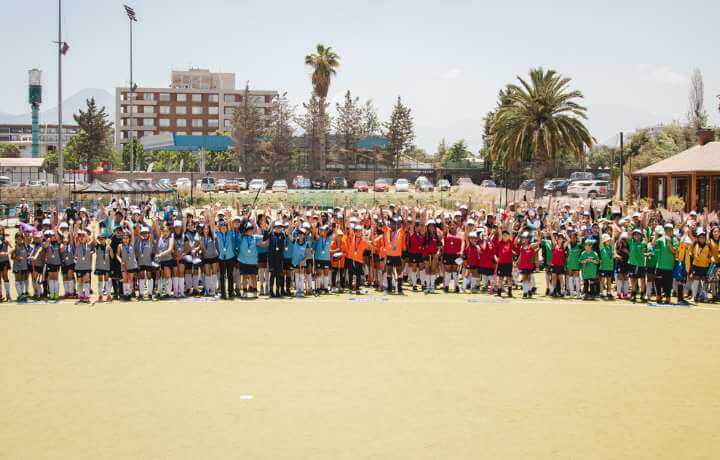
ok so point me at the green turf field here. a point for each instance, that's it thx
(387, 377)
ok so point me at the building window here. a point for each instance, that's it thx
(229, 98)
(197, 97)
(148, 122)
(164, 122)
(148, 96)
(213, 110)
(229, 110)
(213, 123)
(182, 97)
(227, 124)
(148, 133)
(197, 133)
(197, 110)
(148, 109)
(197, 123)
(165, 110)
(181, 122)
(180, 110)
(181, 133)
(214, 98)
(164, 97)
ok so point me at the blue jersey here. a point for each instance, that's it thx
(287, 251)
(248, 249)
(322, 248)
(225, 245)
(298, 251)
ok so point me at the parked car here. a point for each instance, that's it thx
(280, 185)
(121, 181)
(421, 179)
(220, 185)
(581, 175)
(588, 189)
(5, 181)
(242, 183)
(319, 183)
(37, 183)
(338, 183)
(381, 185)
(556, 187)
(488, 183)
(303, 183)
(257, 185)
(207, 184)
(528, 185)
(402, 185)
(165, 181)
(231, 185)
(424, 186)
(603, 176)
(361, 186)
(464, 181)
(182, 182)
(443, 185)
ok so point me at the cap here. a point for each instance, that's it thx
(144, 230)
(605, 238)
(46, 222)
(249, 226)
(472, 235)
(83, 210)
(339, 232)
(278, 223)
(177, 223)
(463, 206)
(636, 214)
(237, 219)
(222, 223)
(63, 225)
(623, 235)
(637, 230)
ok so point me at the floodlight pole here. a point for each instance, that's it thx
(61, 156)
(132, 104)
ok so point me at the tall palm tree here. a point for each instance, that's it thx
(536, 121)
(323, 61)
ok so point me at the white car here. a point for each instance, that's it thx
(257, 185)
(183, 182)
(402, 185)
(588, 189)
(280, 185)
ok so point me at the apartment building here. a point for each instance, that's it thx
(197, 102)
(21, 135)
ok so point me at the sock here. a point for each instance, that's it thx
(455, 279)
(525, 287)
(187, 281)
(72, 286)
(447, 280)
(18, 286)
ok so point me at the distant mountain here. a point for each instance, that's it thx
(71, 106)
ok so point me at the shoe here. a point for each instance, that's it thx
(457, 289)
(525, 296)
(446, 289)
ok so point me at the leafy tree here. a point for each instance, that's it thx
(9, 150)
(400, 132)
(280, 134)
(324, 62)
(456, 153)
(138, 155)
(94, 143)
(539, 119)
(309, 121)
(348, 128)
(69, 158)
(169, 160)
(247, 128)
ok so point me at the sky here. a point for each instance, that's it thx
(446, 59)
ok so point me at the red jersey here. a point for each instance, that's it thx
(487, 256)
(472, 255)
(452, 244)
(504, 252)
(526, 259)
(416, 242)
(558, 256)
(430, 247)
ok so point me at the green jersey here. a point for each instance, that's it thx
(547, 247)
(573, 257)
(607, 257)
(665, 257)
(589, 262)
(637, 253)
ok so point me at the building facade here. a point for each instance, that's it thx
(197, 102)
(21, 135)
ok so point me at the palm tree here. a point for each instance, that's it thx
(323, 62)
(536, 121)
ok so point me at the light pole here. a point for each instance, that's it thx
(131, 16)
(62, 49)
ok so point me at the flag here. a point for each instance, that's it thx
(182, 161)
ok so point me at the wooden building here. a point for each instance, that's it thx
(693, 175)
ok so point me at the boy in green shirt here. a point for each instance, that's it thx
(572, 264)
(589, 260)
(636, 261)
(607, 264)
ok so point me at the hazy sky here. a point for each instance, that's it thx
(447, 59)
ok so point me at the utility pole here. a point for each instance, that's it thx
(61, 155)
(622, 164)
(131, 16)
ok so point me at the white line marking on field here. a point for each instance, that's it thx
(246, 396)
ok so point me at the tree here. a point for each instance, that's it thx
(69, 157)
(697, 116)
(309, 121)
(442, 149)
(94, 143)
(138, 155)
(280, 133)
(348, 128)
(538, 120)
(247, 127)
(370, 121)
(456, 153)
(8, 150)
(324, 63)
(400, 132)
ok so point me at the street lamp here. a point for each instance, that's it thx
(133, 18)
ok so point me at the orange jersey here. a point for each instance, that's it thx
(394, 242)
(355, 247)
(335, 246)
(378, 245)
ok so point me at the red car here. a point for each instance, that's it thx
(361, 186)
(381, 185)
